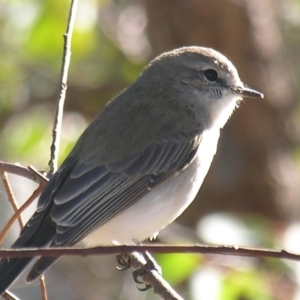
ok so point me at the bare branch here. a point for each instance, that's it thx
(43, 287)
(63, 88)
(11, 198)
(153, 248)
(54, 149)
(26, 172)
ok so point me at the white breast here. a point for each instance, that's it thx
(162, 205)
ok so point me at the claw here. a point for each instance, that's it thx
(138, 274)
(146, 288)
(150, 265)
(124, 261)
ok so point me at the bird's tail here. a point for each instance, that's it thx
(40, 267)
(10, 269)
(38, 232)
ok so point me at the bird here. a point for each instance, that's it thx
(141, 161)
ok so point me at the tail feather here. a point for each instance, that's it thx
(40, 267)
(36, 234)
(10, 270)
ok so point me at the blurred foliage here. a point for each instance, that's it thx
(245, 285)
(186, 263)
(105, 58)
(31, 45)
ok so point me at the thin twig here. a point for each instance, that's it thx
(42, 178)
(17, 214)
(11, 198)
(153, 248)
(22, 171)
(63, 88)
(43, 287)
(54, 149)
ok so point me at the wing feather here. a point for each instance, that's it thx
(105, 196)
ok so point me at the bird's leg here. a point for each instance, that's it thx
(124, 262)
(150, 265)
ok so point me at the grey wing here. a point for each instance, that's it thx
(91, 195)
(82, 196)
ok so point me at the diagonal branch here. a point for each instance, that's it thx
(18, 213)
(12, 200)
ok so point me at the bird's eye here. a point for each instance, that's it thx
(211, 75)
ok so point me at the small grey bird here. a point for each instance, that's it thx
(140, 163)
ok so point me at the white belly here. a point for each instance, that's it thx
(162, 205)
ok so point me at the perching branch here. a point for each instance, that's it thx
(153, 248)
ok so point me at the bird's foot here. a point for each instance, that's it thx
(151, 265)
(124, 262)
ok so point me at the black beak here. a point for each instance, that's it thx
(247, 92)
